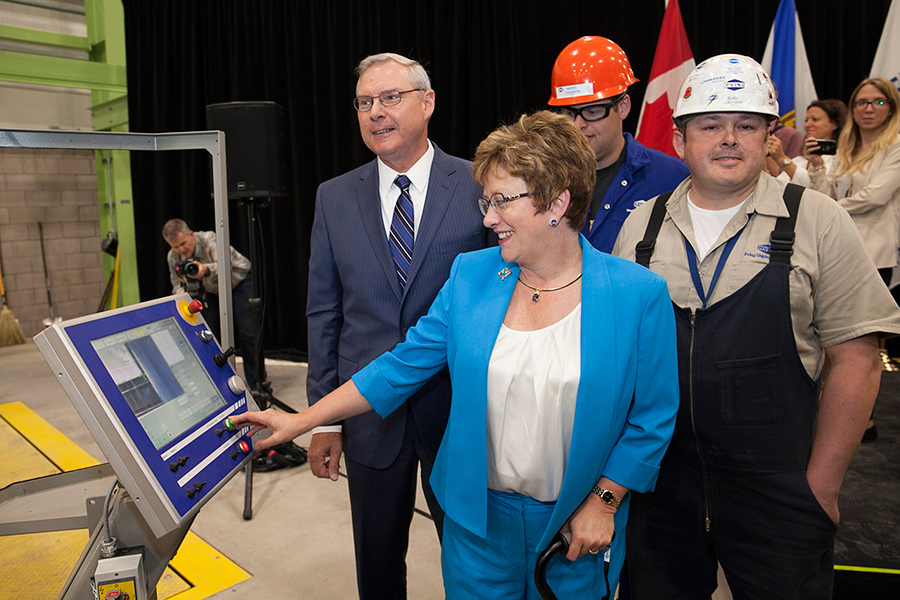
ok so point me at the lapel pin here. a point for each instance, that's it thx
(504, 273)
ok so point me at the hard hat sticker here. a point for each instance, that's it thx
(573, 91)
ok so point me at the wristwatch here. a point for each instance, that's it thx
(606, 496)
(785, 162)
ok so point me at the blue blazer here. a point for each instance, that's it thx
(627, 396)
(356, 309)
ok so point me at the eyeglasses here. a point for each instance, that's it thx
(877, 103)
(594, 112)
(388, 98)
(498, 201)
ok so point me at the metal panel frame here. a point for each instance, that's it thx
(211, 141)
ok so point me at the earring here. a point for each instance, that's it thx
(554, 223)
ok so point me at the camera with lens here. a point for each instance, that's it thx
(187, 268)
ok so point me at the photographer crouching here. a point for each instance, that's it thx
(192, 269)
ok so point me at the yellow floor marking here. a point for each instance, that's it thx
(18, 459)
(170, 585)
(205, 568)
(36, 565)
(59, 449)
(866, 569)
(33, 448)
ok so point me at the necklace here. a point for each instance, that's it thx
(538, 291)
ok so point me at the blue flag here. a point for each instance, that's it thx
(786, 61)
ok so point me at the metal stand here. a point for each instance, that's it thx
(264, 396)
(74, 500)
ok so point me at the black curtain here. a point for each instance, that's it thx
(489, 60)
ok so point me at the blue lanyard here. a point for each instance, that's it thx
(695, 272)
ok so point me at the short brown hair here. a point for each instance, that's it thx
(550, 153)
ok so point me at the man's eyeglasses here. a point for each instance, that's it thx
(877, 103)
(498, 201)
(591, 113)
(388, 98)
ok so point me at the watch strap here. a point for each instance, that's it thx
(606, 496)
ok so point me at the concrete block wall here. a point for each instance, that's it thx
(57, 188)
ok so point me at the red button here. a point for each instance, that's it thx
(195, 307)
(244, 446)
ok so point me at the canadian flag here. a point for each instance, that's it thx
(672, 62)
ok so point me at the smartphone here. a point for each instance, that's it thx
(826, 147)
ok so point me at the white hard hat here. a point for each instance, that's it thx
(727, 83)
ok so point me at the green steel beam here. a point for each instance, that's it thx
(44, 38)
(64, 72)
(109, 109)
(105, 75)
(111, 115)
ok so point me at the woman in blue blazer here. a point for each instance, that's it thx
(563, 366)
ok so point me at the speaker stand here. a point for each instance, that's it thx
(263, 393)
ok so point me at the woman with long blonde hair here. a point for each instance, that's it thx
(868, 170)
(867, 179)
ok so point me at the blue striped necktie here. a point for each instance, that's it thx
(402, 230)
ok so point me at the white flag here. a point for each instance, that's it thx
(887, 57)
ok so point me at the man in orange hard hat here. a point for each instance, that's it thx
(589, 83)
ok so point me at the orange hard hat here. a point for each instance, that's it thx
(589, 69)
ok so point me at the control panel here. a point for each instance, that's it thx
(156, 391)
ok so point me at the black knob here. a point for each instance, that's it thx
(191, 492)
(219, 432)
(233, 454)
(222, 358)
(199, 485)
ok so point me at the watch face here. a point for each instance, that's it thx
(608, 497)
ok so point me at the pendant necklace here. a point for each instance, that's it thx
(538, 291)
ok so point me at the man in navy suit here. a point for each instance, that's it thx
(364, 294)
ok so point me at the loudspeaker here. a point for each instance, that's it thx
(254, 146)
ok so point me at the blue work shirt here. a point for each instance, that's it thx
(646, 174)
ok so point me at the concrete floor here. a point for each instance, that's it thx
(299, 543)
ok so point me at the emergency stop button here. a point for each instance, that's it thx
(189, 310)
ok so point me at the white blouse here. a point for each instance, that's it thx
(531, 394)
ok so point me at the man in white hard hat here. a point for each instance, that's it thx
(589, 85)
(769, 283)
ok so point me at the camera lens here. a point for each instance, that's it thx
(191, 269)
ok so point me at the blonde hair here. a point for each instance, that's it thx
(550, 153)
(852, 157)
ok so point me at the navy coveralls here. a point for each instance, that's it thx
(732, 487)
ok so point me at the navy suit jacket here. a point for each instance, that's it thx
(356, 309)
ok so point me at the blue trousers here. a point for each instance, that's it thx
(501, 567)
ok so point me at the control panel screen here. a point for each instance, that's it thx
(160, 377)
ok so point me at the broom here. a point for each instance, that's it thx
(10, 332)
